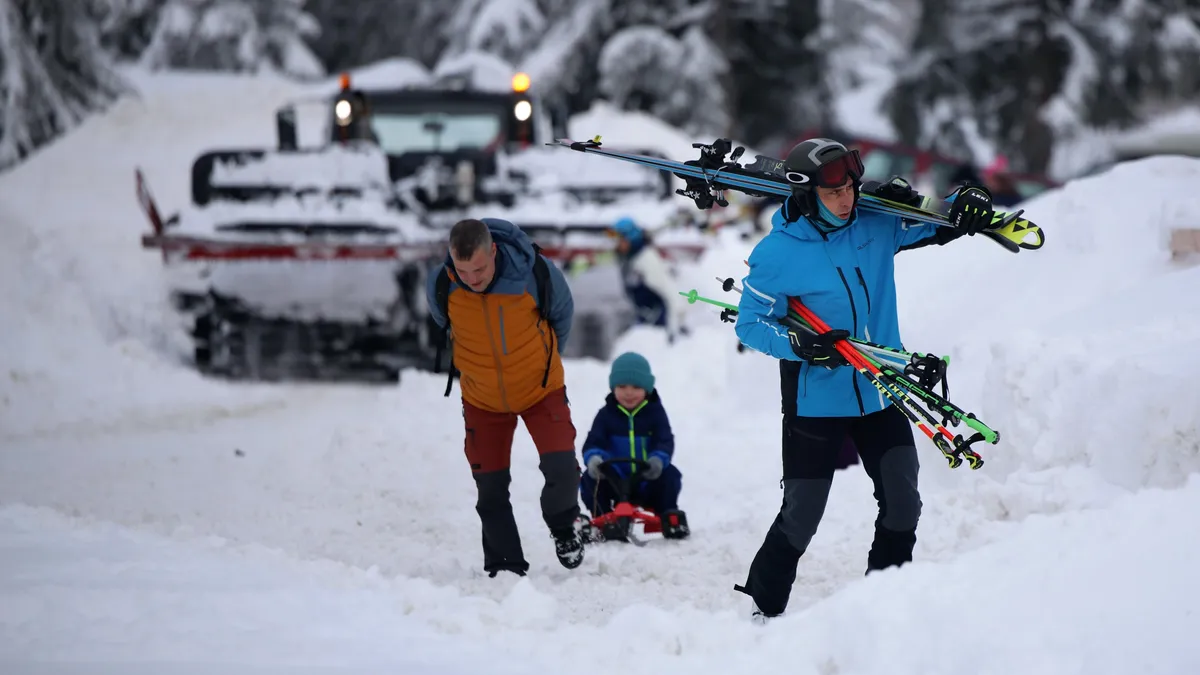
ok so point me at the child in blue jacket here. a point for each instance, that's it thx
(634, 424)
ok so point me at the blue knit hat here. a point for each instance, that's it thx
(633, 369)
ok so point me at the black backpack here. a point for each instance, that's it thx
(541, 279)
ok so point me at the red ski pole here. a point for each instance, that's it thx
(942, 438)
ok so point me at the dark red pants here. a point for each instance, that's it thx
(488, 447)
(490, 434)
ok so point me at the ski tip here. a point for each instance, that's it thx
(577, 145)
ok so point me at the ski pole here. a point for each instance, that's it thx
(902, 402)
(943, 439)
(890, 354)
(897, 356)
(877, 354)
(881, 353)
(945, 406)
(985, 433)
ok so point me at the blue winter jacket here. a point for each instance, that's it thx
(641, 433)
(846, 278)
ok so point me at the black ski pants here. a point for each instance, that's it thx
(810, 457)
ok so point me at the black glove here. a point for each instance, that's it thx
(818, 349)
(897, 190)
(971, 211)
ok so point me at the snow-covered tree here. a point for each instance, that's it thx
(1028, 77)
(506, 28)
(356, 32)
(560, 44)
(778, 87)
(860, 42)
(562, 65)
(235, 35)
(127, 26)
(53, 72)
(646, 68)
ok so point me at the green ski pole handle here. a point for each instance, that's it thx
(693, 296)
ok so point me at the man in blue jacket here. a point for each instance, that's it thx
(840, 263)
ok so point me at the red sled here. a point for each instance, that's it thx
(617, 524)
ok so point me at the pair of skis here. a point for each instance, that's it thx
(908, 379)
(712, 173)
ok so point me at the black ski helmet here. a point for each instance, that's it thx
(821, 162)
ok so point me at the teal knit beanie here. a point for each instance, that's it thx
(633, 369)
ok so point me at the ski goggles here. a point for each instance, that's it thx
(831, 174)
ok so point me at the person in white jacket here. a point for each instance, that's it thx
(648, 280)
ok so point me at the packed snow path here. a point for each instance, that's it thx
(1069, 552)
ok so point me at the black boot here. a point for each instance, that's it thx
(890, 549)
(518, 572)
(674, 524)
(568, 546)
(590, 534)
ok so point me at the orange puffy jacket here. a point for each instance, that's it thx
(507, 356)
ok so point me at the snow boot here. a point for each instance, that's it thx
(757, 616)
(568, 546)
(493, 573)
(588, 533)
(616, 530)
(674, 524)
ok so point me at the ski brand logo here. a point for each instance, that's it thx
(866, 243)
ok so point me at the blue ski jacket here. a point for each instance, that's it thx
(847, 278)
(641, 433)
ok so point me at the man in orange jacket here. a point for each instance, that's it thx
(507, 350)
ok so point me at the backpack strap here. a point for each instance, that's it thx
(541, 278)
(543, 288)
(441, 293)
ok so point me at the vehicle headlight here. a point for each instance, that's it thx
(341, 110)
(523, 110)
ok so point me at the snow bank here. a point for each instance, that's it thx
(1104, 592)
(1079, 353)
(100, 594)
(86, 318)
(1176, 132)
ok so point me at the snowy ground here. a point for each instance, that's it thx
(149, 516)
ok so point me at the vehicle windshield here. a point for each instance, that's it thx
(401, 131)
